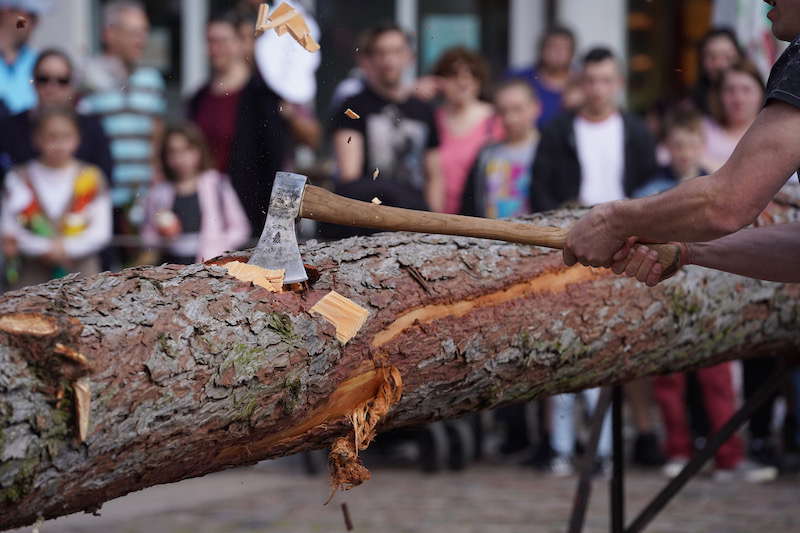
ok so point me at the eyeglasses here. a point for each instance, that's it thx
(63, 81)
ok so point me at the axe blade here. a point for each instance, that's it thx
(277, 248)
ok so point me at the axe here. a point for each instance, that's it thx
(292, 198)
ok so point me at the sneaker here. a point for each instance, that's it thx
(674, 467)
(763, 452)
(647, 451)
(748, 471)
(561, 466)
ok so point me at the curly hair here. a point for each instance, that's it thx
(454, 58)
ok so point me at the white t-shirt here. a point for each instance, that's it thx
(601, 153)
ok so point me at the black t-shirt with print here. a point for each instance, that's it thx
(396, 135)
(784, 79)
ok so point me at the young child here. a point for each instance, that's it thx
(499, 181)
(56, 213)
(685, 145)
(195, 214)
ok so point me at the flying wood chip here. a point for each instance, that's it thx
(376, 201)
(83, 406)
(272, 280)
(375, 173)
(347, 316)
(351, 114)
(285, 19)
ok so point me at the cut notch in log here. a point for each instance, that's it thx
(272, 280)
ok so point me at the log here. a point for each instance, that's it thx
(182, 371)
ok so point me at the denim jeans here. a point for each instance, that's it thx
(563, 439)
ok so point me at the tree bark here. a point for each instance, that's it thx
(192, 371)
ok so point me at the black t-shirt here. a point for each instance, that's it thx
(187, 209)
(396, 135)
(784, 79)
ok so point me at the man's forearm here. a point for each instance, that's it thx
(770, 253)
(692, 212)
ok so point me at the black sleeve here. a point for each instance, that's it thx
(97, 146)
(644, 150)
(545, 173)
(433, 137)
(471, 196)
(784, 80)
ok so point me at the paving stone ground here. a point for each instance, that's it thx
(277, 497)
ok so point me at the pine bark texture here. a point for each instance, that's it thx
(193, 371)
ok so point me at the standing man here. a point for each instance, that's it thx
(551, 74)
(395, 134)
(598, 154)
(130, 99)
(18, 20)
(707, 214)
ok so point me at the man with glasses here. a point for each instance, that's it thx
(18, 19)
(130, 99)
(53, 81)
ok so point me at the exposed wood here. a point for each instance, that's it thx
(272, 280)
(347, 317)
(195, 371)
(351, 114)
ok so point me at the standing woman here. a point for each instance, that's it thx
(741, 95)
(465, 123)
(718, 51)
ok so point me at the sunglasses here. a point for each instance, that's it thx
(45, 80)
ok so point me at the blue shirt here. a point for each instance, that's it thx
(549, 98)
(16, 87)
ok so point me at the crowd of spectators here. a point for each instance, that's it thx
(94, 176)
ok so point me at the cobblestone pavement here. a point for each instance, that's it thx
(278, 497)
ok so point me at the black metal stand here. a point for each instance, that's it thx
(696, 463)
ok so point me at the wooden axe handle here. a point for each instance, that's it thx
(324, 206)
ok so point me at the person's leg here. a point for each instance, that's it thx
(646, 451)
(669, 393)
(756, 371)
(604, 444)
(720, 401)
(563, 433)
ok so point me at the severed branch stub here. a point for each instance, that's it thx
(285, 19)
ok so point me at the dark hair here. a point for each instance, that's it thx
(516, 83)
(372, 35)
(598, 55)
(44, 115)
(230, 18)
(556, 31)
(453, 58)
(683, 118)
(715, 33)
(196, 139)
(743, 66)
(53, 52)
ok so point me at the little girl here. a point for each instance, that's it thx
(195, 214)
(56, 213)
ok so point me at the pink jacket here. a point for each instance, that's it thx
(223, 223)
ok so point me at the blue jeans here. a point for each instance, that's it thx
(563, 439)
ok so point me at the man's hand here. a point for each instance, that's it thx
(640, 262)
(591, 241)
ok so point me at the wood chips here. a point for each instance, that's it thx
(347, 316)
(272, 280)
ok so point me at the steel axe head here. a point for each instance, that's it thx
(277, 248)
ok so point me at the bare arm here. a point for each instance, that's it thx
(348, 145)
(770, 253)
(702, 209)
(731, 198)
(434, 181)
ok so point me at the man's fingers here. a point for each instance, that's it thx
(655, 275)
(649, 260)
(619, 267)
(635, 262)
(569, 257)
(623, 252)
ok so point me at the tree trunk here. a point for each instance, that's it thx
(192, 371)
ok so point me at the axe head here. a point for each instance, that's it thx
(277, 248)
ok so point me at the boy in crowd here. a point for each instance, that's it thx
(498, 184)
